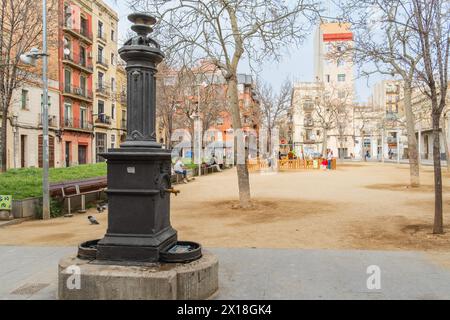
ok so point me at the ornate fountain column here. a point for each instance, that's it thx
(139, 171)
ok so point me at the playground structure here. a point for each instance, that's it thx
(287, 164)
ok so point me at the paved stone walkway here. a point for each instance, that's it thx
(31, 273)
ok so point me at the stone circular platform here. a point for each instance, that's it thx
(97, 280)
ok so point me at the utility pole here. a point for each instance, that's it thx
(30, 58)
(45, 164)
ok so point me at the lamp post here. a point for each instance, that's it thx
(30, 58)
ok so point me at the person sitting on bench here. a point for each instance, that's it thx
(213, 163)
(181, 169)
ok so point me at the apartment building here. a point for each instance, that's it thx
(76, 81)
(106, 125)
(323, 109)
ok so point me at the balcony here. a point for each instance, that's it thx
(52, 121)
(81, 32)
(79, 62)
(77, 124)
(123, 124)
(102, 62)
(103, 120)
(77, 93)
(103, 90)
(101, 36)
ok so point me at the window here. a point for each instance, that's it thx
(83, 56)
(100, 29)
(113, 85)
(113, 59)
(100, 140)
(67, 80)
(113, 141)
(341, 77)
(68, 15)
(112, 36)
(83, 26)
(327, 77)
(83, 85)
(68, 45)
(113, 111)
(83, 118)
(100, 54)
(101, 107)
(100, 79)
(24, 99)
(68, 113)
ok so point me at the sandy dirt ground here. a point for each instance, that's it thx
(358, 206)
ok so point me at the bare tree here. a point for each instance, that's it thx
(273, 106)
(432, 22)
(188, 92)
(226, 31)
(385, 40)
(20, 30)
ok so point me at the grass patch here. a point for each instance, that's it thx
(27, 183)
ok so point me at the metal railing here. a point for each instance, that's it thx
(52, 120)
(79, 61)
(79, 31)
(101, 35)
(76, 123)
(77, 91)
(103, 119)
(103, 89)
(102, 61)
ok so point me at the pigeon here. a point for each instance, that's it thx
(102, 207)
(93, 220)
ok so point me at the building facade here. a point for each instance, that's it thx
(106, 125)
(323, 109)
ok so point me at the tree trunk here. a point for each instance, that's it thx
(242, 170)
(4, 145)
(324, 143)
(438, 227)
(444, 137)
(362, 146)
(413, 155)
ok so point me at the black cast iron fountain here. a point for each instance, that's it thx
(139, 184)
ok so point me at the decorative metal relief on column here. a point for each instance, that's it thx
(142, 55)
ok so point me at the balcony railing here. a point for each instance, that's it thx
(76, 123)
(103, 89)
(78, 91)
(102, 61)
(103, 119)
(79, 31)
(52, 120)
(101, 36)
(80, 61)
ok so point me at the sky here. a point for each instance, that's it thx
(298, 65)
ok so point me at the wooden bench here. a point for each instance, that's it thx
(82, 195)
